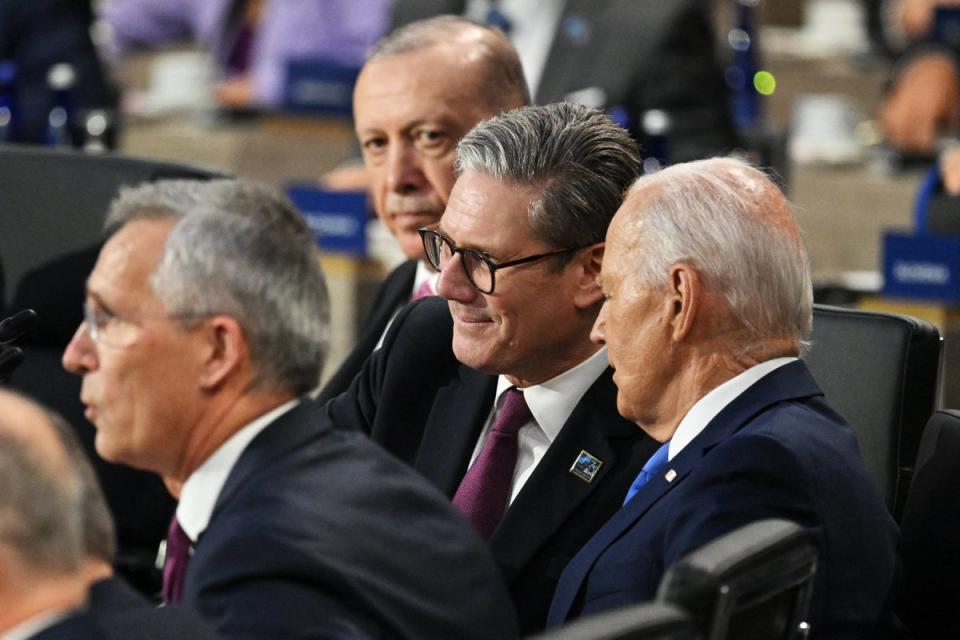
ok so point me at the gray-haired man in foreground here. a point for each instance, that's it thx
(204, 330)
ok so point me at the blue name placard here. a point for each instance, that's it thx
(338, 219)
(317, 86)
(921, 266)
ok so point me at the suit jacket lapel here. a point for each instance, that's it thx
(576, 572)
(459, 412)
(394, 294)
(552, 494)
(287, 432)
(790, 381)
(567, 50)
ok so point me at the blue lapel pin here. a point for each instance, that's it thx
(586, 466)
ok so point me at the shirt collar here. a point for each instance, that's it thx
(552, 402)
(201, 490)
(707, 407)
(31, 627)
(423, 274)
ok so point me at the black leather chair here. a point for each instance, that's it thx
(881, 372)
(53, 201)
(646, 621)
(754, 583)
(52, 205)
(930, 543)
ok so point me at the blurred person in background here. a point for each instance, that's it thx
(922, 102)
(251, 41)
(625, 57)
(35, 36)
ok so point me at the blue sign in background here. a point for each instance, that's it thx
(921, 266)
(319, 87)
(338, 219)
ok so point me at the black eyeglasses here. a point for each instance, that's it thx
(479, 267)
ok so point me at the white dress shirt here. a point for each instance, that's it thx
(533, 27)
(201, 490)
(424, 274)
(707, 407)
(551, 404)
(34, 625)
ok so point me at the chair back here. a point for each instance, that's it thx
(881, 372)
(53, 202)
(930, 534)
(755, 582)
(645, 621)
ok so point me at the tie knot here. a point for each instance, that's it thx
(425, 289)
(513, 413)
(658, 460)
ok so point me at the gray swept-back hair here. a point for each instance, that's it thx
(175, 198)
(241, 248)
(502, 83)
(267, 279)
(41, 504)
(579, 158)
(734, 225)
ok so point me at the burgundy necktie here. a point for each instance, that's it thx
(425, 289)
(485, 489)
(175, 562)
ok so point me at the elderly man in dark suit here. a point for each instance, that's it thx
(518, 250)
(204, 329)
(708, 302)
(421, 89)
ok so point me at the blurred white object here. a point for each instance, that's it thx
(832, 28)
(823, 130)
(179, 81)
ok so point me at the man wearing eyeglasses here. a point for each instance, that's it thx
(494, 391)
(421, 89)
(204, 330)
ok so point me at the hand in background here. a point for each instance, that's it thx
(923, 100)
(10, 329)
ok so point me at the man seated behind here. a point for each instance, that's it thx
(707, 303)
(204, 329)
(421, 88)
(519, 250)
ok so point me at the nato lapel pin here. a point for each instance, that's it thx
(586, 466)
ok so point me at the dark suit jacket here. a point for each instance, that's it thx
(318, 533)
(124, 614)
(414, 398)
(391, 296)
(638, 55)
(778, 450)
(78, 626)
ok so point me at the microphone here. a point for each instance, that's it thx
(17, 325)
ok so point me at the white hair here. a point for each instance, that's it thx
(716, 215)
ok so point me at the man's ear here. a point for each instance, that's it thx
(226, 351)
(588, 263)
(684, 299)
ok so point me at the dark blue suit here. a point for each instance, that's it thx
(318, 533)
(123, 613)
(778, 450)
(417, 401)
